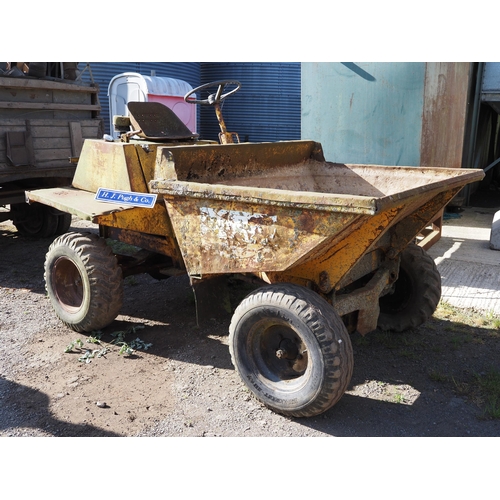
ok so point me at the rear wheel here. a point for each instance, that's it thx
(416, 292)
(35, 220)
(63, 223)
(83, 281)
(291, 349)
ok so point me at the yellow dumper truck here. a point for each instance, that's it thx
(331, 246)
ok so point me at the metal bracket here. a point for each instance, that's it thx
(366, 299)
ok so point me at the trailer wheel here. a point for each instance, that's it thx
(416, 294)
(291, 349)
(63, 223)
(83, 281)
(35, 220)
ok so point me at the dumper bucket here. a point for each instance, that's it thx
(312, 218)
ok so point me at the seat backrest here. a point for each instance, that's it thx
(157, 122)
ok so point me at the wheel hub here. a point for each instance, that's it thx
(287, 350)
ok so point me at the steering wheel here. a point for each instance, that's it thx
(215, 98)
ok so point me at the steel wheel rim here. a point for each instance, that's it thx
(67, 283)
(283, 370)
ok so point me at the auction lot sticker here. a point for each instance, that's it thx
(145, 200)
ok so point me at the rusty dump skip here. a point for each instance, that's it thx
(282, 211)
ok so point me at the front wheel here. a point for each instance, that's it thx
(291, 349)
(415, 295)
(83, 281)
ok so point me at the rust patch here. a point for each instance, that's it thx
(306, 222)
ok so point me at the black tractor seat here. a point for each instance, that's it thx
(156, 122)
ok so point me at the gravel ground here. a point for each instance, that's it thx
(184, 385)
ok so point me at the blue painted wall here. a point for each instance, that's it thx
(364, 112)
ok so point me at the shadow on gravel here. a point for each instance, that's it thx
(419, 384)
(426, 366)
(423, 368)
(362, 417)
(17, 401)
(179, 342)
(21, 265)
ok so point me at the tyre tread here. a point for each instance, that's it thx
(104, 275)
(426, 302)
(329, 330)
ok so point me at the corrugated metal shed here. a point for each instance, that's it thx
(266, 108)
(490, 91)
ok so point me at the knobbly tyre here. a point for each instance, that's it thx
(332, 246)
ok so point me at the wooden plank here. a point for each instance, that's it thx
(62, 154)
(49, 114)
(19, 146)
(48, 144)
(44, 131)
(17, 152)
(49, 106)
(59, 157)
(29, 144)
(53, 132)
(52, 142)
(45, 172)
(40, 95)
(28, 83)
(76, 138)
(57, 141)
(12, 122)
(94, 132)
(44, 143)
(50, 128)
(444, 114)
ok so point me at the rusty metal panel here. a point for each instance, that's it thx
(213, 163)
(444, 114)
(144, 220)
(109, 164)
(315, 234)
(73, 201)
(329, 268)
(401, 223)
(217, 236)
